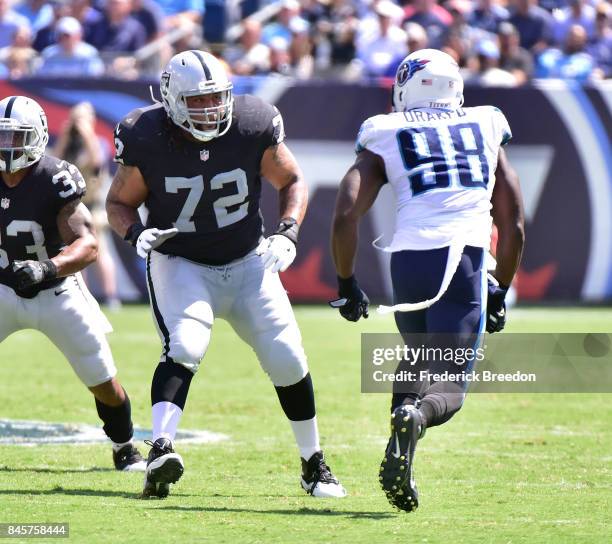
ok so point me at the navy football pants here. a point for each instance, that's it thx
(459, 314)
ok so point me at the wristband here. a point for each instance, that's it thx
(289, 228)
(346, 286)
(498, 283)
(133, 232)
(49, 269)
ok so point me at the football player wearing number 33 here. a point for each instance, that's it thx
(46, 238)
(196, 160)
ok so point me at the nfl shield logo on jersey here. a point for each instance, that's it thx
(5, 202)
(204, 154)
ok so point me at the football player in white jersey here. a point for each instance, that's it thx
(46, 238)
(451, 179)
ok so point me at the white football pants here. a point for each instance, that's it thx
(186, 297)
(71, 318)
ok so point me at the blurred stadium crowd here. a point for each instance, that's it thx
(496, 42)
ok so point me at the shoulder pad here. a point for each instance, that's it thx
(256, 117)
(366, 133)
(133, 131)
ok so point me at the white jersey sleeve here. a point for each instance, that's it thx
(367, 138)
(501, 126)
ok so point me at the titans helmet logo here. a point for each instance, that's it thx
(408, 69)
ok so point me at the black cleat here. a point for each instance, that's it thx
(396, 471)
(164, 467)
(318, 480)
(129, 459)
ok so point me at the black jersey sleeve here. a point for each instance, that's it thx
(67, 183)
(260, 119)
(275, 130)
(129, 140)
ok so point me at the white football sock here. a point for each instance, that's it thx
(166, 417)
(307, 437)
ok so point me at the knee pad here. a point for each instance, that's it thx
(188, 353)
(283, 358)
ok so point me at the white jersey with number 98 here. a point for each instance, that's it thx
(441, 165)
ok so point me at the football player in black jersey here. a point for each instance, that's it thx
(197, 161)
(46, 238)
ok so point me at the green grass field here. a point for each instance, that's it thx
(506, 469)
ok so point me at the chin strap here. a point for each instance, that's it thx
(155, 100)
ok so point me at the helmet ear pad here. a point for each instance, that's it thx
(396, 97)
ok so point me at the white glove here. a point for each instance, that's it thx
(277, 252)
(149, 239)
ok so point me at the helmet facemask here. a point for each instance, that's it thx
(210, 122)
(203, 123)
(21, 145)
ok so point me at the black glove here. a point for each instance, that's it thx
(28, 273)
(353, 302)
(496, 305)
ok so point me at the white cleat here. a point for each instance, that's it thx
(140, 466)
(317, 479)
(325, 490)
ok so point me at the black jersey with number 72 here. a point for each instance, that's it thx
(210, 191)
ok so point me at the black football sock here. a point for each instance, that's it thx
(298, 400)
(398, 399)
(117, 420)
(298, 403)
(441, 402)
(171, 383)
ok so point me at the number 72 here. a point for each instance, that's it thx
(184, 222)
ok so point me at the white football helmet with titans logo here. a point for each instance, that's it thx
(427, 78)
(197, 73)
(23, 133)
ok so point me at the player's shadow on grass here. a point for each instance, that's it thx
(285, 511)
(79, 492)
(53, 470)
